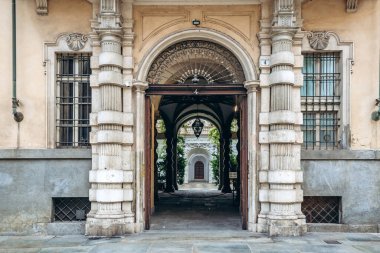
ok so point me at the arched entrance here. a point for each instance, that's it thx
(198, 79)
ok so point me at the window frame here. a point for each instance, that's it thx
(51, 50)
(345, 49)
(319, 104)
(75, 101)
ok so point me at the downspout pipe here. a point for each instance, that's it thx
(18, 116)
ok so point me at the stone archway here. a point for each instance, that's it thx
(224, 52)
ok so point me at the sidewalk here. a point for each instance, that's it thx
(194, 242)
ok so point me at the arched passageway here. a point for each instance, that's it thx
(198, 81)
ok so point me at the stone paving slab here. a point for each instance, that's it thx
(194, 242)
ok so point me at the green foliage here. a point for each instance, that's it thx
(160, 125)
(181, 160)
(214, 137)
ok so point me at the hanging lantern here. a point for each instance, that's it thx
(197, 127)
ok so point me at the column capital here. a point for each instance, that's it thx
(140, 86)
(252, 85)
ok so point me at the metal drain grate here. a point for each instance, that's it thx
(71, 209)
(321, 209)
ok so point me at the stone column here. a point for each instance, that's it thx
(169, 159)
(281, 191)
(238, 166)
(226, 136)
(175, 164)
(111, 179)
(221, 159)
(253, 205)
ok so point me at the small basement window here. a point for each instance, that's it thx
(71, 209)
(319, 209)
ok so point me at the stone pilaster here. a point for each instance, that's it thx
(112, 174)
(139, 141)
(281, 178)
(253, 205)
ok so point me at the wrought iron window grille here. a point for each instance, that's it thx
(320, 100)
(71, 209)
(322, 209)
(73, 100)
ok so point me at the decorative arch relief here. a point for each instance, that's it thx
(197, 62)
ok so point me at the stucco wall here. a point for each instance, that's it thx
(153, 23)
(353, 175)
(30, 178)
(32, 31)
(362, 28)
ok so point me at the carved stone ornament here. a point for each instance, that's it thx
(352, 5)
(76, 41)
(318, 40)
(196, 62)
(42, 7)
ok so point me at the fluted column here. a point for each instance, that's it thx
(284, 175)
(226, 136)
(111, 179)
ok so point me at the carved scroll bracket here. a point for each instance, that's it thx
(352, 5)
(42, 7)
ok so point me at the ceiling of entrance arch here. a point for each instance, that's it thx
(196, 62)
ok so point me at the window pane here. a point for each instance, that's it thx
(328, 127)
(309, 129)
(308, 79)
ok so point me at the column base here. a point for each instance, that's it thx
(169, 188)
(226, 189)
(282, 226)
(109, 227)
(286, 228)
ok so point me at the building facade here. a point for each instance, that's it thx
(79, 98)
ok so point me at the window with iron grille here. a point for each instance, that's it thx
(321, 209)
(73, 101)
(71, 209)
(320, 100)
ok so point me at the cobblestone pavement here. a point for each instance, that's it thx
(194, 242)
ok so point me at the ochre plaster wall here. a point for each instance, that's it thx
(32, 31)
(363, 29)
(153, 23)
